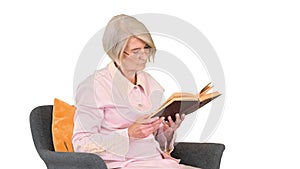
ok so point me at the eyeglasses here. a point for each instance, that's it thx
(138, 52)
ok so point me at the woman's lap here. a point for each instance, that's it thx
(157, 164)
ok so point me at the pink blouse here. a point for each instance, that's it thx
(106, 105)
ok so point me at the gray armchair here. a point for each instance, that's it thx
(204, 155)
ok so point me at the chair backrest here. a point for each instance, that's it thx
(41, 124)
(41, 129)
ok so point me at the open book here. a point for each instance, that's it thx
(182, 102)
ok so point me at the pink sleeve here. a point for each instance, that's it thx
(87, 135)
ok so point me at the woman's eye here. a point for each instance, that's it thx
(136, 51)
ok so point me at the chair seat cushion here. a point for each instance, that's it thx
(62, 126)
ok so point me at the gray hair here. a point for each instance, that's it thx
(117, 32)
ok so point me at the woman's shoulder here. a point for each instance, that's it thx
(151, 80)
(147, 76)
(96, 76)
(101, 73)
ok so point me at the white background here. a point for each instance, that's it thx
(257, 43)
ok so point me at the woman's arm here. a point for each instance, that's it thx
(166, 134)
(87, 137)
(88, 119)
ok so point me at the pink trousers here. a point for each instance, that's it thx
(157, 164)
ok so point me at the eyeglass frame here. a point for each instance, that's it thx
(138, 52)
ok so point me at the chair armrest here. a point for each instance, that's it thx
(71, 160)
(203, 155)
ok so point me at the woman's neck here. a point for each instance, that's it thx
(130, 75)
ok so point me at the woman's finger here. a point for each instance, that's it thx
(150, 128)
(171, 122)
(178, 119)
(182, 117)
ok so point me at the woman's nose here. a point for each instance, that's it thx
(144, 56)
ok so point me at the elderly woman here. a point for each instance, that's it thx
(113, 104)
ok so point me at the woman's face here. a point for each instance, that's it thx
(135, 56)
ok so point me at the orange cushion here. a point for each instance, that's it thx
(62, 126)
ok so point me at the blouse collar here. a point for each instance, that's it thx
(122, 83)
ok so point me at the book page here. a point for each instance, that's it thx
(205, 89)
(181, 95)
(209, 96)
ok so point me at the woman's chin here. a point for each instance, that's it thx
(141, 66)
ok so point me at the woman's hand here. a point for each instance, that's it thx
(170, 126)
(144, 127)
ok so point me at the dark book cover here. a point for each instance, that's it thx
(183, 107)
